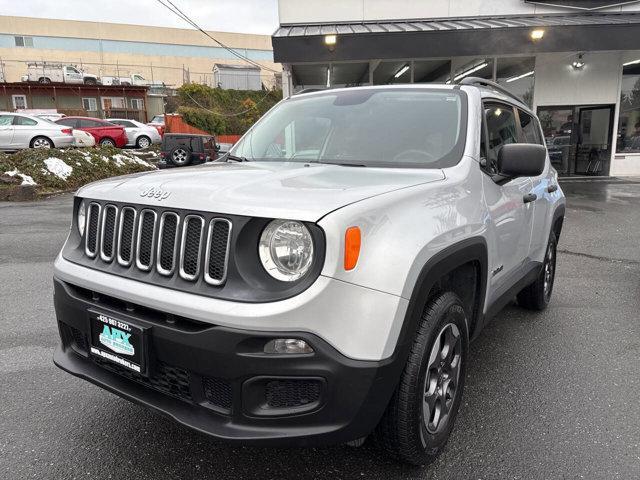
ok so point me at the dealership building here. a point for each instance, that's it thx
(575, 62)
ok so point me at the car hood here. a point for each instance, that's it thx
(258, 189)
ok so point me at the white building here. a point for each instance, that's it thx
(576, 62)
(236, 77)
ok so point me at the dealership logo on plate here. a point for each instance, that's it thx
(116, 340)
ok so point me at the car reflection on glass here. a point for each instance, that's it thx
(556, 146)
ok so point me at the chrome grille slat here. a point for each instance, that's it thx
(92, 229)
(217, 252)
(108, 232)
(126, 229)
(194, 247)
(191, 247)
(167, 243)
(146, 239)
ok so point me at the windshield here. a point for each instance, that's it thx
(370, 127)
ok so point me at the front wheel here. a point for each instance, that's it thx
(538, 295)
(423, 409)
(41, 142)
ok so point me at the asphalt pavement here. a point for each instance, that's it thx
(548, 395)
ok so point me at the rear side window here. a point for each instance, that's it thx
(84, 123)
(6, 120)
(24, 121)
(68, 122)
(530, 130)
(501, 130)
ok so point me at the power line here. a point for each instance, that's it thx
(169, 5)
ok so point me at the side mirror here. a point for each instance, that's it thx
(521, 160)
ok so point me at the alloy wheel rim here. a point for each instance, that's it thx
(549, 270)
(143, 142)
(442, 378)
(41, 143)
(180, 156)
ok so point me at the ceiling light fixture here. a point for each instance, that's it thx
(633, 62)
(470, 71)
(537, 34)
(578, 63)
(328, 77)
(402, 71)
(519, 77)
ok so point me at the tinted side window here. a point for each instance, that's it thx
(68, 122)
(501, 130)
(18, 120)
(530, 130)
(89, 123)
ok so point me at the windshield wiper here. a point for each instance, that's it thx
(235, 158)
(341, 164)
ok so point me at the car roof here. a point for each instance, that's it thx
(485, 91)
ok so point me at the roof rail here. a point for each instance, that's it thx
(490, 84)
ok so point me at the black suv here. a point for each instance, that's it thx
(182, 149)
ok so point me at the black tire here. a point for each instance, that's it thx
(180, 156)
(538, 295)
(140, 142)
(107, 142)
(41, 142)
(44, 80)
(403, 432)
(90, 81)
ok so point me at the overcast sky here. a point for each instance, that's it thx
(248, 16)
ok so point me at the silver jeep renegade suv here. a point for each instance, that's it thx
(321, 282)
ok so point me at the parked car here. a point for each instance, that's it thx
(139, 135)
(322, 284)
(45, 72)
(18, 131)
(183, 149)
(105, 133)
(83, 139)
(133, 79)
(158, 123)
(50, 116)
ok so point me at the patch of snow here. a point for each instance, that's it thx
(26, 179)
(58, 167)
(45, 171)
(119, 159)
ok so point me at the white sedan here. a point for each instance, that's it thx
(139, 135)
(18, 131)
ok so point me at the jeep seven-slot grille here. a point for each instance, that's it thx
(147, 240)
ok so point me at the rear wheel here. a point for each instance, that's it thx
(423, 409)
(44, 80)
(90, 81)
(41, 142)
(538, 295)
(180, 156)
(107, 142)
(143, 142)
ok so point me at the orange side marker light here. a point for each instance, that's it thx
(352, 242)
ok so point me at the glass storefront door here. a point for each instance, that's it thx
(578, 138)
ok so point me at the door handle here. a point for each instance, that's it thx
(552, 188)
(530, 197)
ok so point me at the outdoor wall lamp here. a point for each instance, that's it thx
(537, 34)
(330, 41)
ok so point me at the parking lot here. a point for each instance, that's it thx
(551, 395)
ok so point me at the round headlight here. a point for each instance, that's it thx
(286, 250)
(82, 215)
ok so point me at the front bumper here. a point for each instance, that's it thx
(217, 380)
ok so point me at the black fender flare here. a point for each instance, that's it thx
(558, 214)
